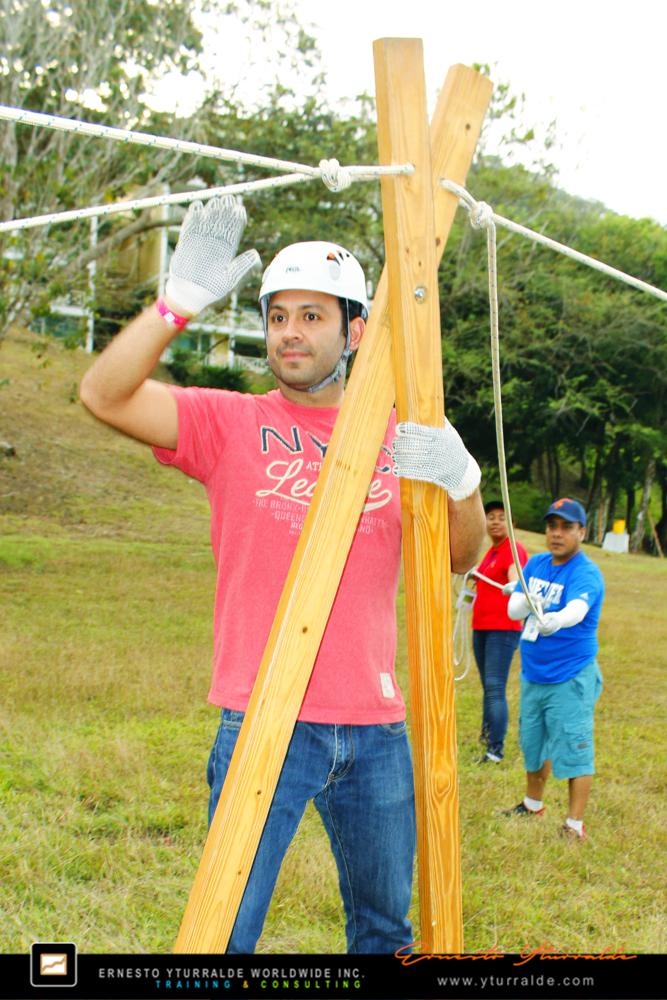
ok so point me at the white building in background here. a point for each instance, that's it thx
(232, 338)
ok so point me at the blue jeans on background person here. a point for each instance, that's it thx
(360, 780)
(494, 649)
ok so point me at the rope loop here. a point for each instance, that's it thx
(481, 215)
(335, 177)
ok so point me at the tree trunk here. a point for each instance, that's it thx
(629, 507)
(603, 514)
(592, 528)
(553, 472)
(612, 500)
(638, 533)
(584, 478)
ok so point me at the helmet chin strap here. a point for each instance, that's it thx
(339, 370)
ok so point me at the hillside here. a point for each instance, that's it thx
(71, 472)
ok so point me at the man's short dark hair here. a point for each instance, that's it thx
(350, 308)
(493, 505)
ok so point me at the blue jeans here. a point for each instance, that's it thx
(494, 649)
(360, 779)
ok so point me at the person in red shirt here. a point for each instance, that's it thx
(495, 637)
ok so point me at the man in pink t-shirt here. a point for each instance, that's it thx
(258, 458)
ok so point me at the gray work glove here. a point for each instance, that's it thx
(509, 587)
(204, 267)
(436, 455)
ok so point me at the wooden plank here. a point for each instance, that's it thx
(314, 576)
(412, 265)
(455, 129)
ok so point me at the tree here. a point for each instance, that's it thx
(98, 62)
(583, 358)
(82, 61)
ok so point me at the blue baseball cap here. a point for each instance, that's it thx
(569, 510)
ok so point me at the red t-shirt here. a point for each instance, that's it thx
(259, 458)
(490, 608)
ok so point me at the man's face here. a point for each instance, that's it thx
(496, 526)
(305, 336)
(564, 538)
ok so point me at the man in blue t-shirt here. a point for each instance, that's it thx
(560, 677)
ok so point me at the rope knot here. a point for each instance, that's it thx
(335, 177)
(481, 215)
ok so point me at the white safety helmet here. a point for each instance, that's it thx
(317, 266)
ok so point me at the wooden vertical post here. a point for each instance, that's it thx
(313, 579)
(410, 249)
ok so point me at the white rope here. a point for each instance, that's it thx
(24, 117)
(333, 175)
(480, 576)
(485, 217)
(481, 214)
(461, 633)
(461, 642)
(153, 202)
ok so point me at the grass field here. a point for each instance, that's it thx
(106, 582)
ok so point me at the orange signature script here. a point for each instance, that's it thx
(543, 952)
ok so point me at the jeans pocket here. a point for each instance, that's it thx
(231, 719)
(394, 728)
(510, 638)
(230, 722)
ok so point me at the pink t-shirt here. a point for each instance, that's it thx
(259, 458)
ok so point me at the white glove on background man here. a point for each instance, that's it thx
(574, 612)
(518, 607)
(436, 455)
(204, 267)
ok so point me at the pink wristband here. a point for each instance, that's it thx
(169, 316)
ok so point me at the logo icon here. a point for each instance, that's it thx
(52, 964)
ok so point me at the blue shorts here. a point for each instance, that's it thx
(556, 723)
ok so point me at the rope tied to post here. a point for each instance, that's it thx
(335, 177)
(481, 215)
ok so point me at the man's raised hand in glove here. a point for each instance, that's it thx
(204, 267)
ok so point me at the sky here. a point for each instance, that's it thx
(596, 67)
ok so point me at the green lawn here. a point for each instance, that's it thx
(106, 583)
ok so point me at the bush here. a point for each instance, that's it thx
(187, 369)
(528, 502)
